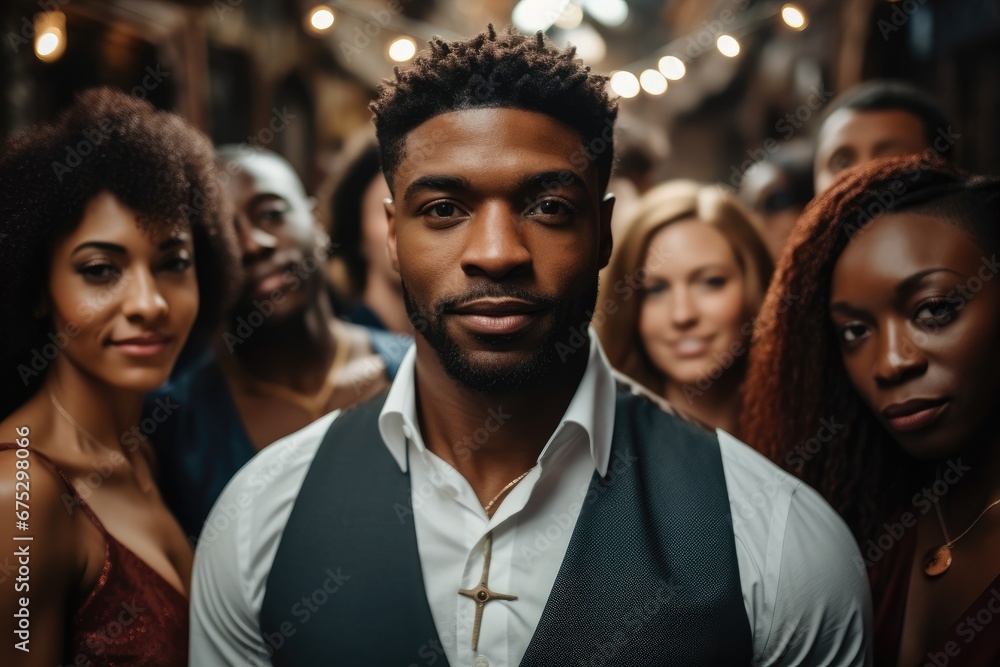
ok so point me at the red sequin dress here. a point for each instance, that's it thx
(132, 616)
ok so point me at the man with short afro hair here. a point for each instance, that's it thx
(497, 70)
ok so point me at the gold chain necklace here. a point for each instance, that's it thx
(938, 560)
(482, 593)
(145, 485)
(517, 479)
(316, 404)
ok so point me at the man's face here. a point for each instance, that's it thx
(279, 236)
(849, 138)
(498, 230)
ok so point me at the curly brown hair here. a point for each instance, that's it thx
(509, 70)
(796, 382)
(152, 161)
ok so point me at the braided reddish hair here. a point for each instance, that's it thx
(796, 378)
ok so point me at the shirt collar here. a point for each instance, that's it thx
(592, 409)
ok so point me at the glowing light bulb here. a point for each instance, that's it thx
(793, 17)
(728, 46)
(402, 49)
(47, 44)
(321, 18)
(672, 67)
(653, 82)
(571, 17)
(624, 84)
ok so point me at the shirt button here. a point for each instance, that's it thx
(481, 661)
(407, 432)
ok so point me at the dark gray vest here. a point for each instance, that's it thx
(650, 576)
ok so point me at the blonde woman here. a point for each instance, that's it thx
(680, 295)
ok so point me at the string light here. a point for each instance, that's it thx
(611, 13)
(571, 17)
(793, 17)
(728, 46)
(321, 18)
(50, 36)
(402, 49)
(624, 84)
(672, 68)
(653, 82)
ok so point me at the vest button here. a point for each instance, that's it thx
(481, 661)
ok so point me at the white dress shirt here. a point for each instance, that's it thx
(806, 597)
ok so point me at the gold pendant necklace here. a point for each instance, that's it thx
(938, 560)
(482, 593)
(314, 405)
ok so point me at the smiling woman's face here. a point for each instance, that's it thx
(694, 305)
(125, 297)
(915, 304)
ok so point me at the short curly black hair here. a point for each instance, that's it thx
(509, 70)
(152, 161)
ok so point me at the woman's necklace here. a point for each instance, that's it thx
(482, 593)
(145, 485)
(938, 560)
(314, 405)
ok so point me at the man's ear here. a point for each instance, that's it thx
(390, 216)
(607, 207)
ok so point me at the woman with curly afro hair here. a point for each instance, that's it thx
(115, 252)
(876, 379)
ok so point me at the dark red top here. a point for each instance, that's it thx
(972, 640)
(133, 616)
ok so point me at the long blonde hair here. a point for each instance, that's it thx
(620, 300)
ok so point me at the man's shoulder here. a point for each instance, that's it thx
(265, 488)
(289, 454)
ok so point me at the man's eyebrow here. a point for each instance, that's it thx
(436, 183)
(561, 177)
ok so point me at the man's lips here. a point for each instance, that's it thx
(496, 316)
(915, 413)
(268, 278)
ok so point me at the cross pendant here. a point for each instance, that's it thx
(482, 593)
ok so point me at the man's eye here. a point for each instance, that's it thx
(550, 207)
(271, 215)
(443, 210)
(840, 162)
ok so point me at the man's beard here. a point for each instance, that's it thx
(567, 318)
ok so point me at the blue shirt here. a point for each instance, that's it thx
(198, 436)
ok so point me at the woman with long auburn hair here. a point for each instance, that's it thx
(875, 377)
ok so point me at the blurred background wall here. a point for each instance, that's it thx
(296, 76)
